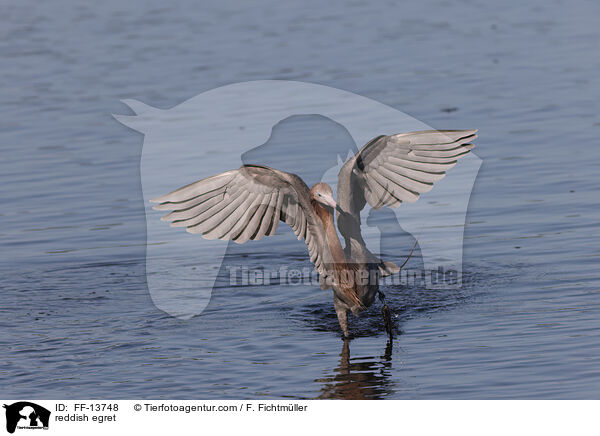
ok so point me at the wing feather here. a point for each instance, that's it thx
(196, 189)
(248, 203)
(390, 170)
(248, 227)
(267, 217)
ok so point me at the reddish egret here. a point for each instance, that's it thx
(249, 202)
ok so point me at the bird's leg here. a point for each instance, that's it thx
(387, 314)
(342, 314)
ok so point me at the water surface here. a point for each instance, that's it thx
(76, 316)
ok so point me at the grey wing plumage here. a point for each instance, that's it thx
(393, 169)
(245, 204)
(390, 170)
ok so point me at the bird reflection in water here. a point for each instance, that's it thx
(359, 378)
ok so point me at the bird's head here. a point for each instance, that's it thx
(322, 194)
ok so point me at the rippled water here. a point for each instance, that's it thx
(76, 316)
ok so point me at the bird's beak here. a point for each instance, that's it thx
(328, 201)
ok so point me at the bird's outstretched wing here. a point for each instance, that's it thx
(248, 203)
(390, 170)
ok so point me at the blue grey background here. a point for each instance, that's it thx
(76, 317)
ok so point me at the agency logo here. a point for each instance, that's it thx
(223, 128)
(26, 415)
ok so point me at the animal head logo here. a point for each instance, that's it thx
(25, 414)
(209, 133)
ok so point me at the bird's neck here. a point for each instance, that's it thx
(344, 272)
(326, 217)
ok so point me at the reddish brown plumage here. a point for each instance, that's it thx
(346, 273)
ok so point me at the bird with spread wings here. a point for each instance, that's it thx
(249, 202)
